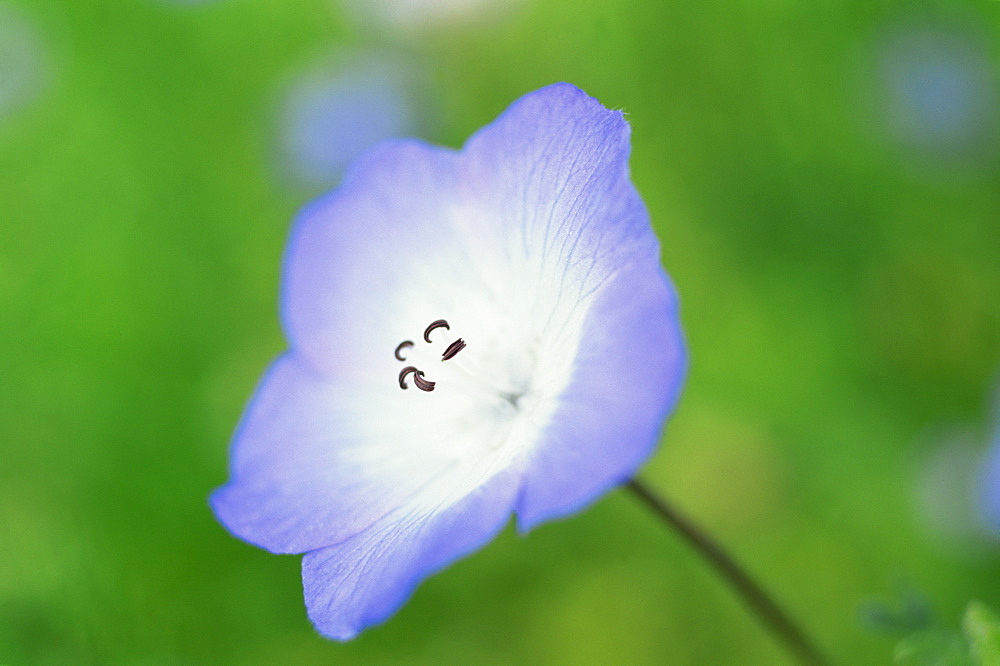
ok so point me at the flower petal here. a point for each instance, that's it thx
(358, 258)
(555, 164)
(313, 464)
(361, 582)
(627, 378)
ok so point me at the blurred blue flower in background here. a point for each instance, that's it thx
(958, 491)
(333, 112)
(940, 89)
(990, 487)
(419, 14)
(473, 334)
(989, 480)
(946, 495)
(22, 61)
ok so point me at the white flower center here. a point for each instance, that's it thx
(473, 385)
(425, 360)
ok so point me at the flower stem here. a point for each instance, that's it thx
(759, 602)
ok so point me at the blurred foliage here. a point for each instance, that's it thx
(982, 629)
(977, 644)
(830, 220)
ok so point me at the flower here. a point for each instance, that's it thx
(333, 113)
(938, 88)
(383, 448)
(988, 482)
(23, 61)
(415, 15)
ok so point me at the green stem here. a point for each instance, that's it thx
(759, 602)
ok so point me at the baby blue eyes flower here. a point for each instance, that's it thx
(473, 334)
(334, 112)
(989, 486)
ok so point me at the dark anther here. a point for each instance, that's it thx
(418, 379)
(405, 344)
(453, 349)
(422, 384)
(402, 376)
(440, 323)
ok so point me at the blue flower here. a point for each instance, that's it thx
(415, 15)
(473, 334)
(23, 61)
(939, 88)
(332, 115)
(989, 486)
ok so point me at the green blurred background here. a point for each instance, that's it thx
(824, 179)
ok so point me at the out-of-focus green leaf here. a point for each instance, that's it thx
(934, 647)
(982, 629)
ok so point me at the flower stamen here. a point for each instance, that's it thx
(405, 344)
(418, 375)
(453, 349)
(422, 384)
(418, 379)
(438, 323)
